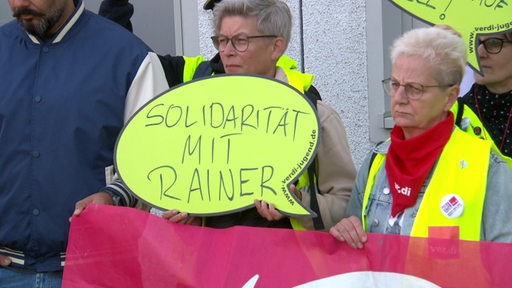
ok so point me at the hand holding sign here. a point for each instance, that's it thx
(212, 146)
(469, 17)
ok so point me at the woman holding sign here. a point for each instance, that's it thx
(251, 37)
(430, 178)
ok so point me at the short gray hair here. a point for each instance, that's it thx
(273, 16)
(443, 49)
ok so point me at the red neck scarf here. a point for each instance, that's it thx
(409, 161)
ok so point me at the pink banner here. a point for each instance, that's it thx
(124, 247)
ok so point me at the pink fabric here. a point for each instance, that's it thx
(124, 247)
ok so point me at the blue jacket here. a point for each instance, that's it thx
(62, 104)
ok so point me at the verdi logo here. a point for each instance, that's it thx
(403, 190)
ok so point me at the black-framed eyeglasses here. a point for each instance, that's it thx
(413, 91)
(493, 45)
(240, 41)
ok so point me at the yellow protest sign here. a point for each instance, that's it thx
(214, 145)
(468, 17)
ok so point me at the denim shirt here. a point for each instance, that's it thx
(497, 206)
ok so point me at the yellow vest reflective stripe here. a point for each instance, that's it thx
(191, 64)
(301, 81)
(474, 121)
(461, 170)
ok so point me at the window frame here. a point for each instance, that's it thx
(385, 23)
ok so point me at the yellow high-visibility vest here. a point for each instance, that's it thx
(462, 171)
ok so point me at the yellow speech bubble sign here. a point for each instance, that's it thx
(468, 17)
(213, 146)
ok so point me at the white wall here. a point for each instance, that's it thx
(158, 23)
(335, 51)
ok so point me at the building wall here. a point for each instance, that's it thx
(335, 52)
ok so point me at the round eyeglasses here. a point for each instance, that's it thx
(412, 90)
(493, 45)
(240, 41)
